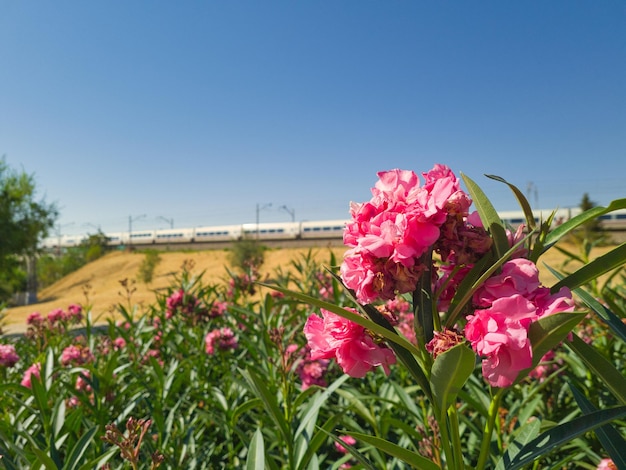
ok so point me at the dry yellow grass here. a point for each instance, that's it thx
(100, 280)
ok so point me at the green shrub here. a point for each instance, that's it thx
(149, 263)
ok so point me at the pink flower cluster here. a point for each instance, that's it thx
(401, 222)
(34, 370)
(507, 305)
(311, 371)
(354, 348)
(223, 339)
(8, 355)
(76, 355)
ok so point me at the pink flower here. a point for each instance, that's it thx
(82, 381)
(218, 309)
(76, 355)
(500, 333)
(332, 336)
(56, 316)
(35, 370)
(348, 440)
(390, 233)
(75, 313)
(119, 343)
(606, 464)
(224, 339)
(34, 319)
(8, 355)
(518, 276)
(544, 368)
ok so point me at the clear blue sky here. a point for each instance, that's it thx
(199, 111)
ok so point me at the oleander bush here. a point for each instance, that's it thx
(320, 368)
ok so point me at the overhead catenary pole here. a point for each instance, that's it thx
(169, 221)
(291, 212)
(259, 208)
(130, 226)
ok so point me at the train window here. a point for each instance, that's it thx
(620, 216)
(605, 217)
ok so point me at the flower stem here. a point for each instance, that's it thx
(489, 426)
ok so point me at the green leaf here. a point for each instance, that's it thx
(523, 202)
(615, 258)
(257, 384)
(601, 367)
(79, 449)
(562, 434)
(450, 371)
(310, 413)
(522, 437)
(576, 221)
(414, 459)
(547, 332)
(423, 301)
(256, 452)
(489, 216)
(608, 317)
(611, 440)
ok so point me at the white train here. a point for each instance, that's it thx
(323, 229)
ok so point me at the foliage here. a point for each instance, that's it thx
(24, 221)
(53, 266)
(214, 376)
(148, 265)
(247, 255)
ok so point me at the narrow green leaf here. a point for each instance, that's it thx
(546, 333)
(564, 433)
(611, 440)
(271, 406)
(77, 452)
(450, 371)
(414, 459)
(615, 258)
(310, 413)
(576, 221)
(424, 323)
(601, 367)
(489, 216)
(522, 437)
(256, 452)
(608, 317)
(521, 199)
(317, 441)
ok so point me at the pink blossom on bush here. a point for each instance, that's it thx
(34, 319)
(76, 355)
(8, 355)
(56, 315)
(606, 464)
(75, 313)
(518, 276)
(332, 336)
(544, 368)
(222, 339)
(500, 333)
(82, 381)
(218, 309)
(35, 370)
(348, 440)
(119, 343)
(390, 233)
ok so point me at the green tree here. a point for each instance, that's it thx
(24, 222)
